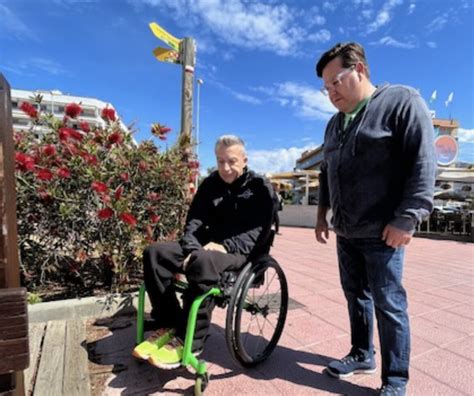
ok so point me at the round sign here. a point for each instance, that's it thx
(446, 149)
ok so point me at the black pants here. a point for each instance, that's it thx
(164, 259)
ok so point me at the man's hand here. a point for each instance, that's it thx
(215, 246)
(322, 230)
(394, 237)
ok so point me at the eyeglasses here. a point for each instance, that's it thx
(336, 80)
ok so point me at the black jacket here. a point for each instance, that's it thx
(236, 215)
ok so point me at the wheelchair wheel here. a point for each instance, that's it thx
(257, 312)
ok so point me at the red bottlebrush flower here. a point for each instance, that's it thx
(160, 131)
(118, 193)
(73, 110)
(49, 149)
(44, 174)
(129, 219)
(76, 134)
(142, 165)
(89, 158)
(99, 187)
(72, 149)
(115, 137)
(194, 164)
(153, 196)
(154, 218)
(64, 134)
(44, 196)
(24, 162)
(85, 126)
(105, 199)
(125, 176)
(108, 114)
(64, 172)
(29, 109)
(105, 213)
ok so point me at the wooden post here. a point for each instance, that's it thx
(11, 382)
(187, 50)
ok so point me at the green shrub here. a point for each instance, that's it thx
(89, 199)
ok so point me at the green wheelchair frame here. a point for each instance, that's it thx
(233, 292)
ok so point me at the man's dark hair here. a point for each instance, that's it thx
(350, 54)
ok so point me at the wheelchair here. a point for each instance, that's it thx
(256, 298)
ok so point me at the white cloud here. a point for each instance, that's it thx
(384, 15)
(367, 14)
(322, 36)
(411, 8)
(238, 95)
(329, 5)
(277, 160)
(363, 2)
(431, 44)
(391, 42)
(253, 25)
(12, 26)
(31, 67)
(465, 135)
(307, 102)
(438, 23)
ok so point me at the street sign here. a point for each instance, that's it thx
(163, 35)
(166, 55)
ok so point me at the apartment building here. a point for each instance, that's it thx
(54, 102)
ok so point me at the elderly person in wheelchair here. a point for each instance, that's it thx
(228, 224)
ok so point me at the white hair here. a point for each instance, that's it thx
(229, 140)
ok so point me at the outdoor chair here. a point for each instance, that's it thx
(256, 298)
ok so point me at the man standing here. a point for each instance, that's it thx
(229, 221)
(378, 178)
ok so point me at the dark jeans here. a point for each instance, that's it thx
(161, 261)
(371, 276)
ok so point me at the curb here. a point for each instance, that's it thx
(97, 307)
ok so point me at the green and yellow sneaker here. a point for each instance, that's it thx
(169, 356)
(153, 343)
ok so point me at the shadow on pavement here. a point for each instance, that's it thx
(113, 370)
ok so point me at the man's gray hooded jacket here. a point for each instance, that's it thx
(381, 169)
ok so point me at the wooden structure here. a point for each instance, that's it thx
(13, 312)
(59, 360)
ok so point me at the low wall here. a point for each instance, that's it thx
(298, 215)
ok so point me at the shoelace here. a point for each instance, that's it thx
(347, 359)
(388, 390)
(174, 343)
(157, 334)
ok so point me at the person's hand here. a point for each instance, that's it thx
(394, 237)
(322, 230)
(215, 246)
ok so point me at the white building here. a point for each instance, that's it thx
(54, 102)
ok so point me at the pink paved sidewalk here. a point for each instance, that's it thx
(439, 281)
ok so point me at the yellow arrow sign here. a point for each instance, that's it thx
(163, 35)
(166, 55)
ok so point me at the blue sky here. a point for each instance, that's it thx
(256, 58)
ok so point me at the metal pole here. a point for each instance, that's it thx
(187, 49)
(306, 193)
(198, 109)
